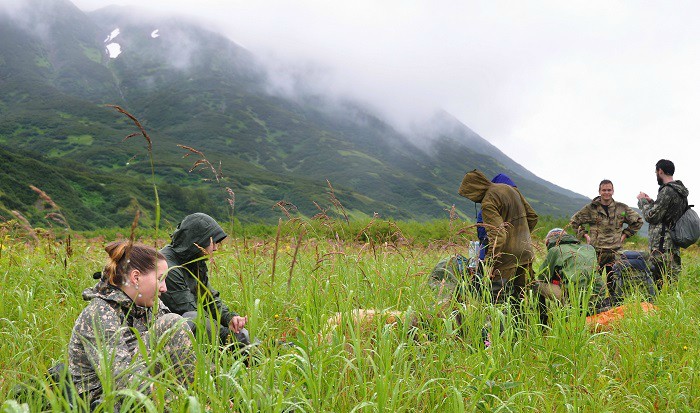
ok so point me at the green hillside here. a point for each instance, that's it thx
(192, 87)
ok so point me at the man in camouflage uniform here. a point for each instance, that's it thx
(670, 204)
(105, 343)
(609, 223)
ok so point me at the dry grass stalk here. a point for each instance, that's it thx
(44, 196)
(453, 215)
(231, 199)
(323, 215)
(294, 259)
(274, 252)
(134, 225)
(202, 163)
(285, 207)
(55, 215)
(336, 202)
(138, 125)
(24, 223)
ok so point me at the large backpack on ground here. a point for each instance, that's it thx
(455, 276)
(631, 272)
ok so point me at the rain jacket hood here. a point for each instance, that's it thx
(474, 186)
(193, 232)
(503, 179)
(678, 186)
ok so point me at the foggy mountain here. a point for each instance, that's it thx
(190, 86)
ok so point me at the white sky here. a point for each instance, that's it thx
(575, 91)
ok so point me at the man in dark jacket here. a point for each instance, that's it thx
(195, 238)
(509, 220)
(670, 204)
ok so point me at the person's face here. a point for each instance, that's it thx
(151, 284)
(606, 192)
(658, 177)
(213, 246)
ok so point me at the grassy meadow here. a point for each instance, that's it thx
(291, 279)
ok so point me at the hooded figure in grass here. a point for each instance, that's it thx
(509, 219)
(195, 238)
(480, 230)
(569, 267)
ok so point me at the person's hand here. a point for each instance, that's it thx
(623, 238)
(237, 323)
(588, 238)
(643, 195)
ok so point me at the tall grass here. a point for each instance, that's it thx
(648, 363)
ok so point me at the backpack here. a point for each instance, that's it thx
(686, 230)
(453, 276)
(631, 271)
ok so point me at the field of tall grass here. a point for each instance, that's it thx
(292, 280)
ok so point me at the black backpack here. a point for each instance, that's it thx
(685, 230)
(630, 272)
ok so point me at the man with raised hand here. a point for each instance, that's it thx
(671, 202)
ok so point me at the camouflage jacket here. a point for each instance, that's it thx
(660, 214)
(105, 341)
(606, 229)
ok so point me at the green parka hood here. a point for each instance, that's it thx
(561, 240)
(195, 231)
(474, 186)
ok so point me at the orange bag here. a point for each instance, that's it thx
(604, 321)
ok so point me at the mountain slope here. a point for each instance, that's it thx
(189, 86)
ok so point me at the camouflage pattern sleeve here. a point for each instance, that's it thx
(654, 211)
(580, 219)
(633, 220)
(104, 346)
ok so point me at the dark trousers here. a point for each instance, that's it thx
(510, 288)
(606, 260)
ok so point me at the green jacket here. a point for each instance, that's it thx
(572, 262)
(508, 217)
(606, 228)
(188, 281)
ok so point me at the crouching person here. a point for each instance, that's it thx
(569, 267)
(195, 239)
(122, 313)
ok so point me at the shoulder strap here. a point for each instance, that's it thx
(672, 223)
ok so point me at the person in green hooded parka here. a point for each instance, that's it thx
(569, 267)
(509, 220)
(198, 236)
